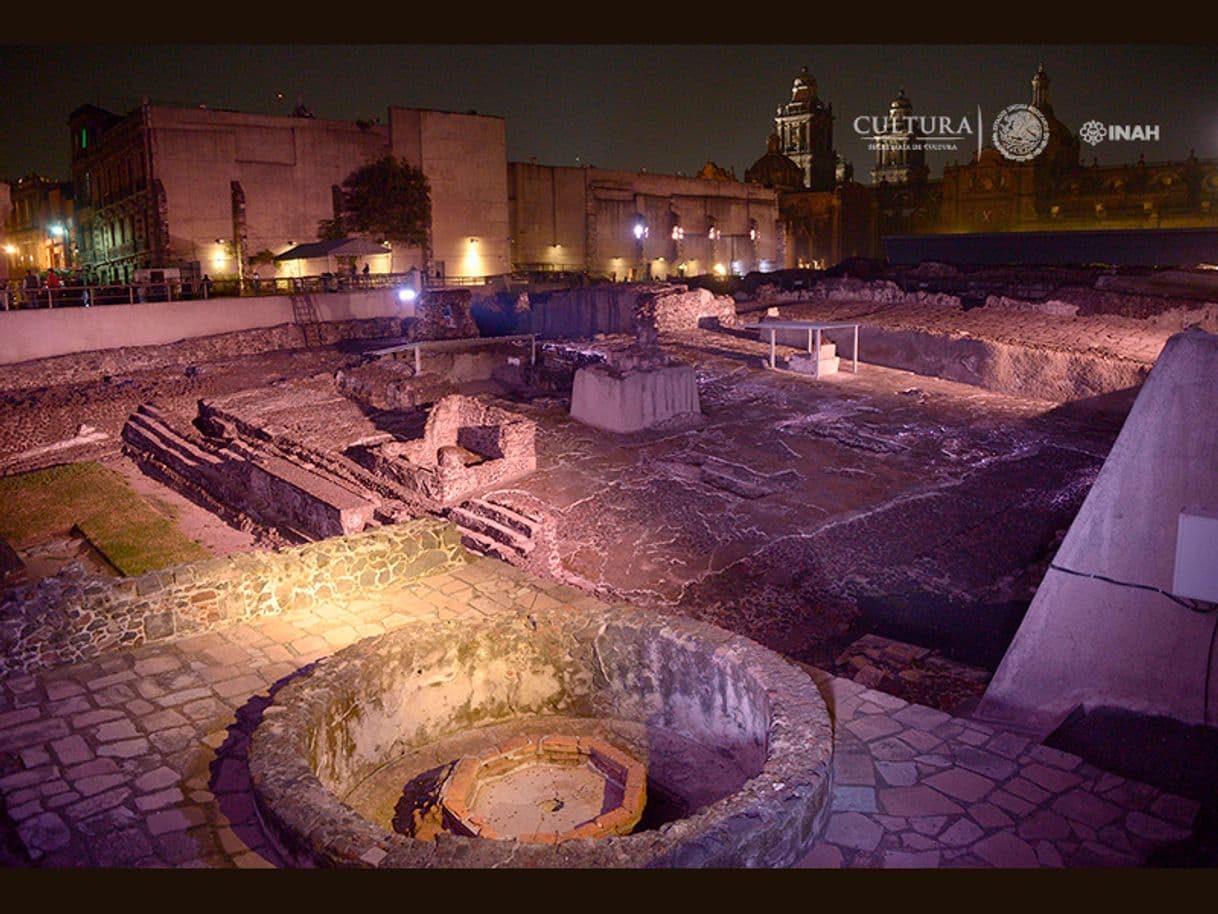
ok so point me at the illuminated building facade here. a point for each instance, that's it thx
(991, 193)
(627, 225)
(39, 228)
(220, 192)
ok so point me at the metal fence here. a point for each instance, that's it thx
(14, 295)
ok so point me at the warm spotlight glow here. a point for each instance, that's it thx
(472, 263)
(720, 270)
(407, 295)
(10, 249)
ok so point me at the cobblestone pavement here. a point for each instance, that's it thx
(138, 758)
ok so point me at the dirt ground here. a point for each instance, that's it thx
(916, 508)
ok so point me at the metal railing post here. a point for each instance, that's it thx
(418, 366)
(856, 348)
(532, 348)
(773, 361)
(816, 356)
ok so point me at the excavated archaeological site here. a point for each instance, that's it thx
(600, 576)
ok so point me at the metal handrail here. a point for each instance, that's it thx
(460, 343)
(14, 293)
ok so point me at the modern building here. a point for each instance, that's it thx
(636, 225)
(39, 228)
(221, 192)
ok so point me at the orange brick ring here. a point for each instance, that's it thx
(578, 736)
(599, 790)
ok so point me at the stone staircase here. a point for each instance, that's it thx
(806, 363)
(245, 478)
(169, 456)
(148, 431)
(489, 528)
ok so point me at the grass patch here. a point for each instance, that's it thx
(122, 526)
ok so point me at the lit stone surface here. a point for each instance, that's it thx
(546, 790)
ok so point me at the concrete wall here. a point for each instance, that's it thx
(41, 333)
(286, 166)
(1086, 641)
(465, 159)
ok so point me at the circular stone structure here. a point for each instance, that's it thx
(734, 742)
(544, 791)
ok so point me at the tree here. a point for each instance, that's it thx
(389, 198)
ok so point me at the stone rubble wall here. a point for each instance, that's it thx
(75, 616)
(443, 314)
(850, 289)
(616, 308)
(651, 675)
(86, 367)
(390, 383)
(688, 310)
(506, 441)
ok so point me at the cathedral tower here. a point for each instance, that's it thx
(805, 130)
(899, 156)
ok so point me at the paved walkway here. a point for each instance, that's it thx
(138, 758)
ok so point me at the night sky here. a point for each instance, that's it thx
(665, 108)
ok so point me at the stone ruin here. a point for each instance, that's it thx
(303, 461)
(709, 750)
(636, 388)
(443, 314)
(467, 447)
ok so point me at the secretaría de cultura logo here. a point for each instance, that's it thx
(1020, 132)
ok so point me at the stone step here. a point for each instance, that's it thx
(149, 432)
(804, 365)
(467, 521)
(484, 545)
(502, 515)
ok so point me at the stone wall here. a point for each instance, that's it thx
(86, 367)
(467, 447)
(443, 314)
(248, 476)
(762, 801)
(74, 616)
(688, 309)
(583, 313)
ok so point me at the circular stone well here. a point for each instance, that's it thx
(725, 746)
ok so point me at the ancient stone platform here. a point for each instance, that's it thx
(138, 758)
(631, 401)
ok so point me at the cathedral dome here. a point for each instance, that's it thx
(901, 106)
(775, 170)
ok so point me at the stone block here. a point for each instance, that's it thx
(635, 400)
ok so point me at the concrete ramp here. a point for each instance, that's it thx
(1091, 642)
